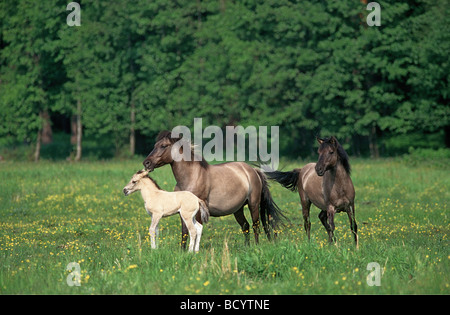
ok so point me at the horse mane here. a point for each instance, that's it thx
(204, 163)
(148, 176)
(343, 156)
(154, 182)
(166, 134)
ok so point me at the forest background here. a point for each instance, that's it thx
(133, 68)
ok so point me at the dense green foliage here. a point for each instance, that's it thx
(306, 66)
(65, 212)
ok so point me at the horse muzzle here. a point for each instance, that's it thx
(320, 172)
(148, 165)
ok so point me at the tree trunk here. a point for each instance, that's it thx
(356, 145)
(131, 100)
(73, 129)
(79, 131)
(373, 145)
(42, 133)
(47, 134)
(37, 151)
(132, 131)
(447, 136)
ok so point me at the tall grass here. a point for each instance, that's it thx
(52, 214)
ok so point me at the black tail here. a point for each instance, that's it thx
(268, 209)
(288, 180)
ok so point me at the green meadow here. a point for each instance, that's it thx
(56, 213)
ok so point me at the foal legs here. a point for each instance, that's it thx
(189, 220)
(153, 228)
(185, 231)
(199, 229)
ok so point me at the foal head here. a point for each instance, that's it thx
(330, 153)
(161, 153)
(135, 183)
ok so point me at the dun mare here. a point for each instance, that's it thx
(160, 203)
(326, 184)
(226, 188)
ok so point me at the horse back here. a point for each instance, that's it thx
(231, 186)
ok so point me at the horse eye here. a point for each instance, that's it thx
(164, 146)
(331, 152)
(134, 182)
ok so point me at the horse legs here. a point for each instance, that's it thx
(184, 233)
(245, 226)
(253, 206)
(324, 219)
(353, 226)
(306, 205)
(331, 211)
(153, 227)
(254, 201)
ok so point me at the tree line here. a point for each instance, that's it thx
(133, 68)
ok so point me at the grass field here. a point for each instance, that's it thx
(52, 214)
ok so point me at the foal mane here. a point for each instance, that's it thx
(154, 182)
(148, 176)
(166, 134)
(341, 153)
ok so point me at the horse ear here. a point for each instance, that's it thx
(333, 141)
(173, 139)
(319, 140)
(142, 172)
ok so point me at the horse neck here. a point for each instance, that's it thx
(185, 171)
(337, 174)
(148, 188)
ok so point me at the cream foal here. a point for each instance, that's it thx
(160, 203)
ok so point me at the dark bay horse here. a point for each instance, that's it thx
(326, 184)
(226, 188)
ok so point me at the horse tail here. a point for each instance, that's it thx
(268, 209)
(204, 211)
(288, 180)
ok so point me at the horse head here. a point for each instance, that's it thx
(161, 153)
(328, 156)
